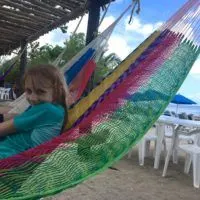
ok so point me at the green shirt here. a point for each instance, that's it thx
(35, 126)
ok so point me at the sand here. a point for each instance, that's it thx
(133, 182)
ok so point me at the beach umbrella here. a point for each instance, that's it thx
(180, 99)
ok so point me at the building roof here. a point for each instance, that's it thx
(29, 19)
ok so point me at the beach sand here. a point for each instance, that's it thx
(133, 182)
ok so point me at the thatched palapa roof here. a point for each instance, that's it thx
(29, 19)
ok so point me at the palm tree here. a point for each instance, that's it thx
(105, 65)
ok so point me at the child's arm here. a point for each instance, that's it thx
(9, 116)
(7, 128)
(5, 109)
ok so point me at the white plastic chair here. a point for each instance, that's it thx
(168, 133)
(4, 93)
(183, 136)
(192, 152)
(145, 144)
(192, 156)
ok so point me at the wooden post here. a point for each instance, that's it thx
(23, 63)
(93, 20)
(92, 30)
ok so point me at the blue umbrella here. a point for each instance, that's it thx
(180, 99)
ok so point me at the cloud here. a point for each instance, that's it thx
(56, 37)
(145, 29)
(72, 25)
(119, 45)
(196, 68)
(46, 39)
(188, 87)
(127, 37)
(106, 23)
(195, 97)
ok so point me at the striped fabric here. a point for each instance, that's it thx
(79, 83)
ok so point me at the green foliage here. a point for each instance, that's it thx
(73, 45)
(105, 65)
(44, 54)
(11, 77)
(49, 53)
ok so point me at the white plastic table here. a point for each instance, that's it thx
(170, 121)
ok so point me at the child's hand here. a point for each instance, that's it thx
(8, 116)
(69, 100)
(7, 128)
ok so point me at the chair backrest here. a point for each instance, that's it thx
(197, 139)
(168, 131)
(191, 132)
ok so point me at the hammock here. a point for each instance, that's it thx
(111, 118)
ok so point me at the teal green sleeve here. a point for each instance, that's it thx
(25, 121)
(38, 116)
(41, 135)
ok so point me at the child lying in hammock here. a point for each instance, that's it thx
(46, 92)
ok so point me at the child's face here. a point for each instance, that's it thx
(36, 95)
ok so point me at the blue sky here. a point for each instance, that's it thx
(127, 37)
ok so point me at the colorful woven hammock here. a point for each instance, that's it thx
(104, 125)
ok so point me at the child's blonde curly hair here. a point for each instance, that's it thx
(49, 76)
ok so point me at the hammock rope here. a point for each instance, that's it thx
(104, 14)
(135, 3)
(9, 69)
(121, 109)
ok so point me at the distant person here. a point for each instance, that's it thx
(16, 89)
(190, 116)
(167, 113)
(183, 116)
(2, 83)
(174, 114)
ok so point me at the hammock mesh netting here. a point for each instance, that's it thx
(107, 123)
